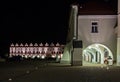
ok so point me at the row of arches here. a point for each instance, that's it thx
(97, 53)
(39, 51)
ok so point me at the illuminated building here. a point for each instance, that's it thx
(36, 50)
(93, 33)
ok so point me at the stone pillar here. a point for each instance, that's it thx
(76, 57)
(98, 57)
(93, 59)
(118, 35)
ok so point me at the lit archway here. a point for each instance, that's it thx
(96, 53)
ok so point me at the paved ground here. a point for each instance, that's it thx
(44, 71)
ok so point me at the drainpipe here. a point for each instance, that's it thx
(75, 9)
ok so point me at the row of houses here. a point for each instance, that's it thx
(36, 50)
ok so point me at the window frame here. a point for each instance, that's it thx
(94, 26)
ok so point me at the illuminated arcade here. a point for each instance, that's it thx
(36, 50)
(97, 53)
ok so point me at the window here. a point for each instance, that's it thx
(94, 27)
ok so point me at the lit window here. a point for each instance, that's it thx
(94, 27)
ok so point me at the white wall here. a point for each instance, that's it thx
(105, 35)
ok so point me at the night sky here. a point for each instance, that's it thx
(35, 21)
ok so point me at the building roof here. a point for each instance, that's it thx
(98, 7)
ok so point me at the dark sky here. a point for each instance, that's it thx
(35, 21)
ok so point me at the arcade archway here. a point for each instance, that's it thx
(96, 54)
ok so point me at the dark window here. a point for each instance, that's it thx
(94, 27)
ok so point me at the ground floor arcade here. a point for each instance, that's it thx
(97, 54)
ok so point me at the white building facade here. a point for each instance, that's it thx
(94, 30)
(36, 50)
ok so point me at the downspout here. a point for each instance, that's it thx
(75, 22)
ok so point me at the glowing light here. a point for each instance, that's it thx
(26, 56)
(96, 45)
(53, 56)
(84, 51)
(43, 57)
(59, 56)
(38, 56)
(89, 47)
(33, 56)
(10, 79)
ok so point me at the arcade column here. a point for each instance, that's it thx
(76, 57)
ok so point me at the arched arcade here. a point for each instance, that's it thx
(97, 53)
